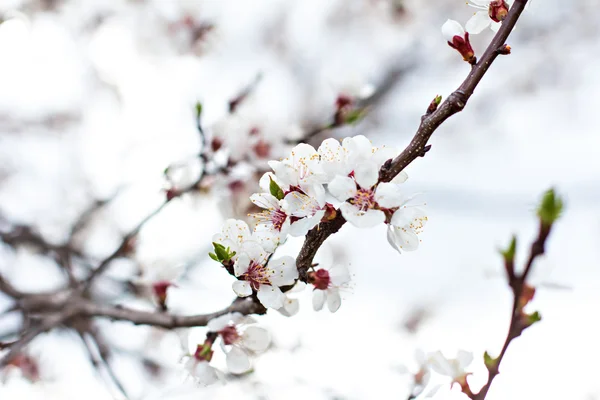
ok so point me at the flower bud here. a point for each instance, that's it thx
(498, 10)
(459, 39)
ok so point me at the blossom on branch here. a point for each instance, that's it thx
(327, 284)
(458, 39)
(198, 364)
(239, 340)
(492, 13)
(256, 272)
(454, 368)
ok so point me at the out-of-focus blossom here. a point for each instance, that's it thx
(239, 340)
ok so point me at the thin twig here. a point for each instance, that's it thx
(517, 324)
(45, 325)
(99, 361)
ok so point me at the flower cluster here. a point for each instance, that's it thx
(305, 189)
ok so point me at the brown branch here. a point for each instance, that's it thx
(417, 147)
(47, 324)
(7, 288)
(517, 322)
(165, 320)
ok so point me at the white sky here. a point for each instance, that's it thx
(531, 124)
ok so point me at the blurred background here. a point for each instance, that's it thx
(98, 125)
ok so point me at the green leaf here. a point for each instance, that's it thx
(550, 208)
(488, 360)
(218, 246)
(214, 257)
(198, 109)
(530, 319)
(437, 100)
(221, 253)
(275, 190)
(509, 253)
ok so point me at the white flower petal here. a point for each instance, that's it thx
(366, 174)
(402, 238)
(265, 200)
(478, 22)
(265, 181)
(202, 372)
(318, 299)
(241, 265)
(270, 296)
(441, 364)
(495, 26)
(389, 195)
(383, 154)
(464, 358)
(339, 275)
(217, 324)
(290, 307)
(361, 219)
(400, 178)
(269, 238)
(242, 288)
(452, 28)
(236, 230)
(299, 205)
(334, 301)
(238, 361)
(284, 271)
(256, 338)
(302, 226)
(342, 188)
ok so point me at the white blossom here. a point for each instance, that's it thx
(327, 283)
(239, 339)
(406, 223)
(451, 29)
(274, 220)
(454, 368)
(236, 236)
(201, 371)
(301, 169)
(254, 275)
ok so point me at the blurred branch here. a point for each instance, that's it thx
(99, 359)
(522, 292)
(165, 320)
(46, 324)
(430, 121)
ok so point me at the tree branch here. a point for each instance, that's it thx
(99, 360)
(165, 320)
(518, 323)
(417, 147)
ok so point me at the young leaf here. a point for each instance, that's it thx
(275, 190)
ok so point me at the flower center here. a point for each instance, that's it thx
(229, 334)
(257, 275)
(319, 279)
(275, 217)
(364, 199)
